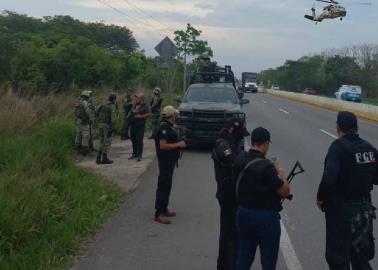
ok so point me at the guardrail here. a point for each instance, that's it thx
(363, 110)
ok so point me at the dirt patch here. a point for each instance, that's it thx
(125, 173)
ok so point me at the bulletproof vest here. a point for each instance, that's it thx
(357, 168)
(80, 112)
(104, 114)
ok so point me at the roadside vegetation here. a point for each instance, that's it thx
(49, 207)
(329, 70)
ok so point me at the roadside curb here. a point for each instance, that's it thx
(369, 112)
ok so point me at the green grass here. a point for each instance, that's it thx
(372, 101)
(48, 205)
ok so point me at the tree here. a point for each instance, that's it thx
(188, 45)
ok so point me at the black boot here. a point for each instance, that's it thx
(105, 160)
(98, 159)
(84, 151)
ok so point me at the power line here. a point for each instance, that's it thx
(130, 18)
(167, 27)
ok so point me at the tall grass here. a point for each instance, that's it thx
(48, 205)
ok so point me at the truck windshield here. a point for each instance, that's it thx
(218, 95)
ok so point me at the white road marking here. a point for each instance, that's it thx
(264, 101)
(329, 134)
(282, 110)
(288, 252)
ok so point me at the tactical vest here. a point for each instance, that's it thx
(357, 170)
(104, 114)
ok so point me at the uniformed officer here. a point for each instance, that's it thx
(92, 107)
(226, 149)
(83, 118)
(106, 117)
(155, 110)
(138, 116)
(350, 171)
(168, 145)
(260, 186)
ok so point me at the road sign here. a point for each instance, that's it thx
(166, 49)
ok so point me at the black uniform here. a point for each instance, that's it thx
(224, 154)
(127, 106)
(167, 161)
(351, 170)
(137, 128)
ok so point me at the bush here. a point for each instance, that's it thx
(48, 206)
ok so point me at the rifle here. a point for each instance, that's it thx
(297, 169)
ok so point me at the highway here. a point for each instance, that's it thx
(132, 241)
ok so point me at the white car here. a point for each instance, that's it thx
(275, 87)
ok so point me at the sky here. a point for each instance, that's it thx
(249, 35)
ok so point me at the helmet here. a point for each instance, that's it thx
(157, 91)
(85, 93)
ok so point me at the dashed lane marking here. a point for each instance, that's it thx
(288, 252)
(282, 110)
(329, 134)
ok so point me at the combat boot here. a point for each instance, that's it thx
(98, 159)
(84, 151)
(105, 160)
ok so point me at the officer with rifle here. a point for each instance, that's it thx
(260, 186)
(350, 171)
(168, 146)
(226, 149)
(106, 116)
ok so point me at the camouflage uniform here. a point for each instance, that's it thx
(84, 117)
(155, 110)
(92, 107)
(107, 117)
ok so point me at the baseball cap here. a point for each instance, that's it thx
(347, 121)
(260, 135)
(168, 111)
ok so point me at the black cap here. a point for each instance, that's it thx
(260, 135)
(347, 121)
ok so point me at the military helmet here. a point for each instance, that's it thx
(85, 93)
(157, 91)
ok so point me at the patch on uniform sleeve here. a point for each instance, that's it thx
(164, 132)
(227, 152)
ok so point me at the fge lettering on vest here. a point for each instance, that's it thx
(365, 158)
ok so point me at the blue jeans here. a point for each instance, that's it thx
(258, 228)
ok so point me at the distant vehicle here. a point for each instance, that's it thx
(250, 87)
(275, 87)
(205, 109)
(349, 93)
(309, 91)
(248, 77)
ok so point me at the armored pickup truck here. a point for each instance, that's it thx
(205, 109)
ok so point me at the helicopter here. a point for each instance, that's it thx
(332, 11)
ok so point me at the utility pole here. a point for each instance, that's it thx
(185, 59)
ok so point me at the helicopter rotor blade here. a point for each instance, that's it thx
(357, 3)
(329, 2)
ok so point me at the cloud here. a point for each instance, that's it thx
(189, 8)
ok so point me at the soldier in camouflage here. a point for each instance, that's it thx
(155, 110)
(83, 119)
(92, 107)
(106, 117)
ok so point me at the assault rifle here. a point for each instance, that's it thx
(297, 169)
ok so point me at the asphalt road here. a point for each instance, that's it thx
(132, 241)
